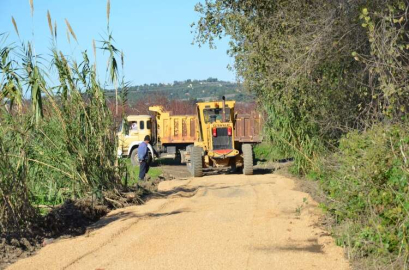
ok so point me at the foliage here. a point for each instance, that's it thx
(319, 69)
(61, 148)
(132, 176)
(188, 90)
(16, 209)
(266, 152)
(368, 187)
(331, 76)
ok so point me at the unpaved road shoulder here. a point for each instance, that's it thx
(215, 222)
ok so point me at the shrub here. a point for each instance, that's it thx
(63, 146)
(368, 188)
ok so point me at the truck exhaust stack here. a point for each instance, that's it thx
(224, 110)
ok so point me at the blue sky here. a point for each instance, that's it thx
(155, 36)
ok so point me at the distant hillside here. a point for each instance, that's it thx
(202, 90)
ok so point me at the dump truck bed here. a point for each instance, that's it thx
(248, 128)
(177, 129)
(174, 129)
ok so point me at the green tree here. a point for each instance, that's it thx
(313, 65)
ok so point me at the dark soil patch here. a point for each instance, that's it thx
(71, 219)
(67, 220)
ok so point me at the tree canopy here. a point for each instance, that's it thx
(320, 68)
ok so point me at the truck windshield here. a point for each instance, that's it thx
(211, 115)
(124, 127)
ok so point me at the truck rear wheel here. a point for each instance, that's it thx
(196, 162)
(247, 159)
(134, 157)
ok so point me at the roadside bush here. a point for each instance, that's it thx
(369, 192)
(330, 75)
(68, 154)
(57, 142)
(265, 152)
(15, 204)
(292, 135)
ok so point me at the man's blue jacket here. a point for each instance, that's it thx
(143, 151)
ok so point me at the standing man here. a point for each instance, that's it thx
(143, 156)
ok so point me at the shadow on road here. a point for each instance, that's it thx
(167, 162)
(123, 216)
(311, 246)
(184, 192)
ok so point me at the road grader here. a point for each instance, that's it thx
(224, 139)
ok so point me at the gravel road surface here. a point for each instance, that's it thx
(215, 222)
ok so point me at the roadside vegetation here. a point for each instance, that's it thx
(265, 152)
(132, 174)
(332, 80)
(57, 139)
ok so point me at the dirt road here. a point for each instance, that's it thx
(215, 222)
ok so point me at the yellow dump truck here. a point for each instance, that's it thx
(170, 134)
(222, 136)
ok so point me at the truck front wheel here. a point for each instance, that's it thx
(247, 159)
(134, 157)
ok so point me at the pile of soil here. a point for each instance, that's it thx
(70, 219)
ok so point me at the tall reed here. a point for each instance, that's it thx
(59, 143)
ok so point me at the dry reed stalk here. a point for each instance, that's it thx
(15, 25)
(94, 47)
(55, 29)
(122, 59)
(70, 29)
(44, 164)
(68, 37)
(31, 7)
(108, 9)
(50, 24)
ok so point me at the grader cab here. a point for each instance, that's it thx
(218, 143)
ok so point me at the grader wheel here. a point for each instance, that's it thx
(196, 162)
(247, 159)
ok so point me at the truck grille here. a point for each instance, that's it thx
(222, 141)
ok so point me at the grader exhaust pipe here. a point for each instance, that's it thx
(224, 110)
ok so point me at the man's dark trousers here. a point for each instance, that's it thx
(143, 169)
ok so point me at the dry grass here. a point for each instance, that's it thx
(50, 24)
(108, 9)
(63, 147)
(31, 7)
(70, 30)
(15, 25)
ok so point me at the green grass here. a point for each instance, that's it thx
(133, 173)
(266, 152)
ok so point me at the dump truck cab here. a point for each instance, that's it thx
(131, 133)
